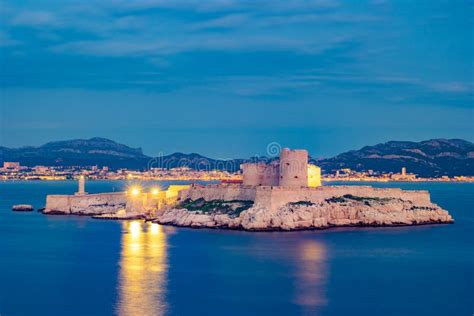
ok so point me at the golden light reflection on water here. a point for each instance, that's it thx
(311, 276)
(143, 270)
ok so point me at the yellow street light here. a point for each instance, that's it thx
(135, 191)
(155, 191)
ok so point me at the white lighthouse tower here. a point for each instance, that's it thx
(81, 186)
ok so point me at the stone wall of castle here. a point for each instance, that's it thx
(271, 175)
(150, 202)
(253, 173)
(84, 204)
(225, 192)
(108, 203)
(277, 196)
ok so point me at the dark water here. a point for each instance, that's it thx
(59, 265)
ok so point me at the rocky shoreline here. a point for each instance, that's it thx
(153, 220)
(121, 215)
(343, 211)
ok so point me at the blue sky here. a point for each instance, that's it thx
(225, 78)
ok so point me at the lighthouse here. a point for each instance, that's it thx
(81, 186)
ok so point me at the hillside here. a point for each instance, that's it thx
(78, 152)
(431, 158)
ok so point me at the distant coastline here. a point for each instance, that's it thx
(326, 180)
(434, 158)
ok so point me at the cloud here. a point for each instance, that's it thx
(453, 87)
(35, 18)
(141, 28)
(355, 48)
(221, 5)
(304, 18)
(194, 42)
(231, 20)
(111, 48)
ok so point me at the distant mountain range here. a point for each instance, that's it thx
(78, 152)
(431, 158)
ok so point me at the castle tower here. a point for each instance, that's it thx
(294, 168)
(404, 172)
(253, 173)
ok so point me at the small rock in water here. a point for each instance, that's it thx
(22, 208)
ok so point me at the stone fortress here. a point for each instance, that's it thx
(291, 179)
(284, 194)
(291, 170)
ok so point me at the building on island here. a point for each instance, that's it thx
(284, 194)
(292, 170)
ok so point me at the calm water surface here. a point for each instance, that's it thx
(60, 265)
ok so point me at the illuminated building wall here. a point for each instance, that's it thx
(173, 190)
(153, 199)
(314, 176)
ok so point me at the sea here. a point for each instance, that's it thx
(73, 265)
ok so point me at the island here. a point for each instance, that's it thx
(284, 194)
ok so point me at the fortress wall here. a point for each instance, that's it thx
(58, 203)
(145, 202)
(149, 202)
(79, 204)
(275, 197)
(219, 192)
(109, 201)
(293, 168)
(253, 173)
(174, 189)
(271, 175)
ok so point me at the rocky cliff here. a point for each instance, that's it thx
(347, 210)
